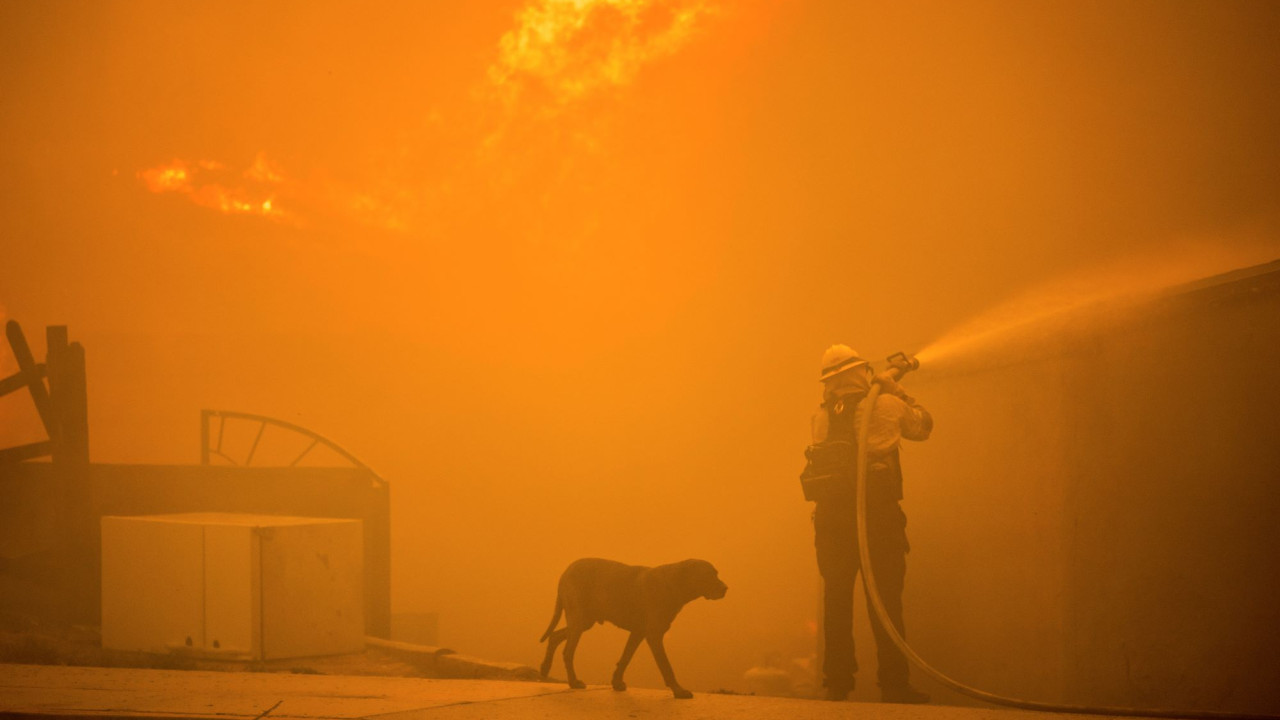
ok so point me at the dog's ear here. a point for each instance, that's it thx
(696, 567)
(691, 572)
(695, 573)
(703, 578)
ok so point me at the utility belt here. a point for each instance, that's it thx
(831, 472)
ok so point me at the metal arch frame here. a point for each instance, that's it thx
(206, 452)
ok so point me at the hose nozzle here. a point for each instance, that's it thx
(901, 363)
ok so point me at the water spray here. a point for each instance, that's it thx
(899, 364)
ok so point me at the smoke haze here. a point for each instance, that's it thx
(562, 272)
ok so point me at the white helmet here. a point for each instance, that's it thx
(839, 358)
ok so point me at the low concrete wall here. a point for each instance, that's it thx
(50, 519)
(1094, 519)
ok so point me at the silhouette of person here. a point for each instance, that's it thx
(846, 380)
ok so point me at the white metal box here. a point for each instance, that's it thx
(253, 587)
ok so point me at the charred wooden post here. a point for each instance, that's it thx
(77, 521)
(68, 396)
(30, 375)
(62, 406)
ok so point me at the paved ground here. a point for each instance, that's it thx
(70, 692)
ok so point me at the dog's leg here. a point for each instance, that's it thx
(570, 647)
(633, 642)
(664, 665)
(553, 642)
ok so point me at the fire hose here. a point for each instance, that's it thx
(900, 364)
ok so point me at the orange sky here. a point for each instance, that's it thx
(563, 272)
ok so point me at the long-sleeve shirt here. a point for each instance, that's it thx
(893, 419)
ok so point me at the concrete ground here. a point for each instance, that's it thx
(49, 692)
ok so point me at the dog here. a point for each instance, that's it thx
(642, 600)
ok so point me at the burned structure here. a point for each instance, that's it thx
(51, 517)
(1093, 521)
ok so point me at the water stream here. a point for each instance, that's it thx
(1108, 290)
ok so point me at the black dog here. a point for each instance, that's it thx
(640, 599)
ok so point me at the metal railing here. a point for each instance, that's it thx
(209, 449)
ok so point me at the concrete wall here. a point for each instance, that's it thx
(50, 542)
(1095, 518)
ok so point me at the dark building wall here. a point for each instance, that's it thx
(985, 498)
(50, 520)
(1175, 549)
(1094, 520)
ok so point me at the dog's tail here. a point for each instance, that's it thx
(555, 620)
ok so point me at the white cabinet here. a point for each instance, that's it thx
(253, 587)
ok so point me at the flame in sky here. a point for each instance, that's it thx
(207, 183)
(569, 48)
(558, 52)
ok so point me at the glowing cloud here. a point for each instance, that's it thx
(558, 52)
(207, 184)
(569, 48)
(263, 189)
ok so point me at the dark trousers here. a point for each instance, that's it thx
(836, 539)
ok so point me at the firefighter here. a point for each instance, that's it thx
(846, 380)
